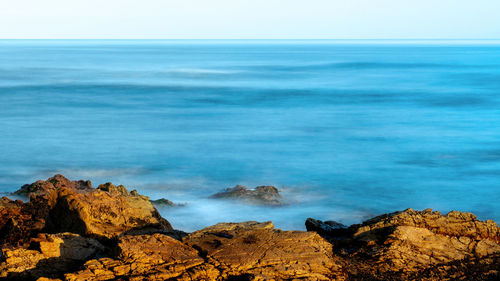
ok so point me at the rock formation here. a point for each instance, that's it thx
(105, 212)
(162, 202)
(49, 255)
(71, 231)
(257, 251)
(228, 251)
(262, 195)
(408, 242)
(60, 205)
(327, 228)
(19, 221)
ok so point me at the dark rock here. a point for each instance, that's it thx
(164, 203)
(264, 195)
(19, 221)
(327, 229)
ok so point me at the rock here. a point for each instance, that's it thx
(48, 256)
(61, 205)
(257, 251)
(103, 214)
(328, 229)
(19, 221)
(115, 190)
(454, 224)
(141, 245)
(231, 226)
(263, 195)
(144, 257)
(402, 244)
(226, 251)
(47, 189)
(412, 241)
(165, 203)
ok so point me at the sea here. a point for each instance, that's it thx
(346, 129)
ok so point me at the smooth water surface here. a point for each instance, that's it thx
(348, 129)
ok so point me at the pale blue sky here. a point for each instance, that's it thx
(250, 19)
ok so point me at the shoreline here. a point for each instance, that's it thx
(72, 231)
(201, 210)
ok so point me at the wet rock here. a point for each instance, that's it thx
(49, 256)
(327, 229)
(263, 195)
(162, 202)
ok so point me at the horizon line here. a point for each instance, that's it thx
(304, 39)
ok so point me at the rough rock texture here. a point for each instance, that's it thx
(259, 251)
(454, 223)
(60, 205)
(264, 195)
(143, 257)
(409, 242)
(48, 256)
(104, 214)
(47, 189)
(229, 251)
(19, 221)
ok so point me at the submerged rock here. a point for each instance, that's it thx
(162, 202)
(263, 195)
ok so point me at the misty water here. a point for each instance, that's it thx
(346, 129)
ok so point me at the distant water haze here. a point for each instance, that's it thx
(346, 129)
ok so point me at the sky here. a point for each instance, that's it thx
(250, 19)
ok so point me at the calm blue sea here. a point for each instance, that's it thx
(348, 129)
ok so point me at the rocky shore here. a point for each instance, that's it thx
(71, 231)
